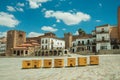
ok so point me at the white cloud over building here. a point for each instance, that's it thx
(67, 17)
(48, 28)
(8, 20)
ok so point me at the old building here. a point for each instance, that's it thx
(103, 37)
(17, 45)
(14, 39)
(52, 46)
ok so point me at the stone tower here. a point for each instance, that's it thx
(68, 40)
(14, 38)
(119, 23)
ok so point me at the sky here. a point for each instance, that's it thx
(37, 17)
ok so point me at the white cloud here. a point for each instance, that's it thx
(36, 3)
(63, 29)
(10, 8)
(8, 20)
(54, 25)
(76, 33)
(43, 10)
(20, 4)
(98, 20)
(67, 17)
(48, 28)
(100, 4)
(20, 9)
(3, 34)
(34, 34)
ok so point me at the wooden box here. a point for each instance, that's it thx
(26, 64)
(58, 63)
(82, 61)
(36, 63)
(94, 60)
(71, 62)
(47, 63)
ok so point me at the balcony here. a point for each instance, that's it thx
(101, 32)
(107, 40)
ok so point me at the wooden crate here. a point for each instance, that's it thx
(58, 63)
(47, 63)
(36, 63)
(71, 62)
(26, 64)
(94, 60)
(82, 61)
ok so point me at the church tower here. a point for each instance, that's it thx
(14, 38)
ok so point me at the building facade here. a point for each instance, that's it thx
(103, 41)
(51, 46)
(18, 46)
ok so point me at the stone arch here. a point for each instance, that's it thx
(46, 54)
(42, 53)
(51, 53)
(55, 52)
(18, 53)
(115, 47)
(59, 52)
(66, 52)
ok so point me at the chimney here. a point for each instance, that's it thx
(119, 23)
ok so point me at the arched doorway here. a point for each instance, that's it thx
(59, 52)
(18, 53)
(43, 53)
(73, 50)
(115, 47)
(46, 53)
(55, 53)
(50, 53)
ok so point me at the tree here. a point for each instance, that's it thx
(81, 32)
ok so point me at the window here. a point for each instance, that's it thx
(26, 52)
(102, 29)
(46, 47)
(42, 41)
(42, 47)
(103, 47)
(14, 52)
(82, 42)
(46, 41)
(20, 35)
(88, 41)
(103, 38)
(22, 52)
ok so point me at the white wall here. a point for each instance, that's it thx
(56, 43)
(2, 47)
(105, 35)
(99, 29)
(85, 41)
(107, 44)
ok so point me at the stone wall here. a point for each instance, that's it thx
(114, 51)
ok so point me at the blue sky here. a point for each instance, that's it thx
(36, 17)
